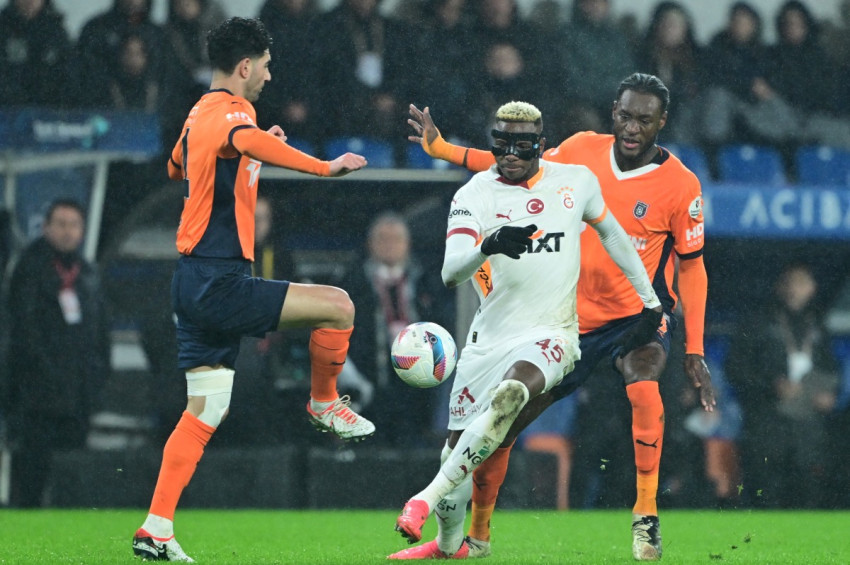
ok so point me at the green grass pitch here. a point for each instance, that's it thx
(353, 537)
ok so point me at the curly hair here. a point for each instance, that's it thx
(236, 39)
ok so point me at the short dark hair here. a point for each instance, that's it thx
(236, 39)
(63, 203)
(646, 84)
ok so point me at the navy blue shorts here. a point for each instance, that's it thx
(602, 342)
(217, 302)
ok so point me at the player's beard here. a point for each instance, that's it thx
(645, 148)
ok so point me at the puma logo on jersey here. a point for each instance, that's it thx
(504, 216)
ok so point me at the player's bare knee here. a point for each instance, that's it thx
(343, 308)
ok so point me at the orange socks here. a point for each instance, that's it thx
(328, 348)
(180, 457)
(648, 435)
(486, 481)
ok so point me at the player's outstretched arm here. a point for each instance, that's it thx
(693, 288)
(434, 145)
(269, 147)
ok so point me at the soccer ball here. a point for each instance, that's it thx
(424, 354)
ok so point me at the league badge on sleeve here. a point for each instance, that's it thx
(695, 208)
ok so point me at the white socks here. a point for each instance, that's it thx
(478, 441)
(158, 526)
(451, 512)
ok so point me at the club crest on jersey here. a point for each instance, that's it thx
(534, 206)
(567, 193)
(640, 209)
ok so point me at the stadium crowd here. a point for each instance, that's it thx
(460, 57)
(464, 58)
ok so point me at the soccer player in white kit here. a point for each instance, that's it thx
(514, 230)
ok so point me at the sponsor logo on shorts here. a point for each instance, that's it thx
(465, 395)
(460, 411)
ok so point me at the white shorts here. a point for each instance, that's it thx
(480, 370)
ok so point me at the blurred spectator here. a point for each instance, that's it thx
(799, 66)
(292, 98)
(670, 52)
(446, 85)
(835, 38)
(740, 105)
(187, 71)
(497, 21)
(390, 291)
(506, 54)
(34, 48)
(99, 47)
(133, 86)
(785, 377)
(365, 69)
(505, 75)
(546, 18)
(592, 55)
(803, 74)
(59, 350)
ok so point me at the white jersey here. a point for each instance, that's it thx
(537, 292)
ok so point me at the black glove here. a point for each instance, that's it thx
(642, 332)
(508, 240)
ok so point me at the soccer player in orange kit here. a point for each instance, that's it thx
(658, 202)
(215, 298)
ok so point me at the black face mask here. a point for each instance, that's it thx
(511, 148)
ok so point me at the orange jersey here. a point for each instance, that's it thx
(221, 183)
(660, 208)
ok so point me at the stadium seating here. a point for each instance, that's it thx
(751, 164)
(693, 158)
(823, 165)
(378, 153)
